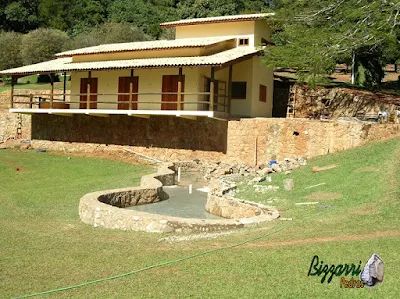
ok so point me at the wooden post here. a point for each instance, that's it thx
(30, 101)
(65, 86)
(212, 89)
(12, 92)
(179, 97)
(88, 90)
(230, 89)
(131, 89)
(51, 91)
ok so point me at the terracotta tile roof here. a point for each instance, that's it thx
(66, 64)
(220, 19)
(147, 45)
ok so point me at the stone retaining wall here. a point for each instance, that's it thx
(9, 123)
(259, 140)
(220, 202)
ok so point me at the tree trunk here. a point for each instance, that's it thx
(353, 69)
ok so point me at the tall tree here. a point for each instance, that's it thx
(20, 16)
(10, 54)
(107, 33)
(41, 45)
(336, 28)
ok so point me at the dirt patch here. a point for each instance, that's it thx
(324, 195)
(17, 168)
(328, 239)
(364, 212)
(16, 145)
(367, 169)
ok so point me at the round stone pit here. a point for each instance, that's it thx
(107, 208)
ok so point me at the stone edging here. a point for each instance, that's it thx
(105, 209)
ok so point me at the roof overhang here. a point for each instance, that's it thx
(200, 42)
(60, 65)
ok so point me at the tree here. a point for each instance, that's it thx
(107, 33)
(42, 44)
(20, 16)
(10, 54)
(336, 28)
(145, 15)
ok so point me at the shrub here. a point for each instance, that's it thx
(10, 54)
(41, 45)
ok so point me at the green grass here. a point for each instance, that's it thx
(30, 83)
(36, 86)
(44, 245)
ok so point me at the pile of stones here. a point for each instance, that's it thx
(216, 170)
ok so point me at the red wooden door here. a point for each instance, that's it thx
(93, 90)
(170, 84)
(124, 87)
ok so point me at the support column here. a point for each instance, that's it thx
(12, 92)
(212, 89)
(230, 89)
(131, 89)
(65, 86)
(51, 90)
(88, 90)
(179, 97)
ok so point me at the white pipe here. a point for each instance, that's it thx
(179, 174)
(190, 189)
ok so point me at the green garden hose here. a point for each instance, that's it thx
(163, 263)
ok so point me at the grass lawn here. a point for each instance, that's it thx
(44, 245)
(36, 86)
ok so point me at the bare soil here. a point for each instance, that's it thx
(367, 169)
(324, 195)
(375, 235)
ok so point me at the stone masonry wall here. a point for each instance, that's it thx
(336, 102)
(158, 131)
(256, 141)
(9, 124)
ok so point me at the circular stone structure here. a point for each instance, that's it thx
(106, 208)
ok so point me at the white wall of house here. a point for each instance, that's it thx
(261, 75)
(150, 81)
(231, 29)
(251, 71)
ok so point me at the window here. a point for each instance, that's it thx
(243, 41)
(263, 93)
(239, 90)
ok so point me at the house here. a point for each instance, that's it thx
(167, 94)
(211, 69)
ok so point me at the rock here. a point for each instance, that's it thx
(288, 172)
(258, 179)
(276, 167)
(25, 146)
(288, 184)
(265, 171)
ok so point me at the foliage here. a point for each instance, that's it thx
(309, 60)
(42, 44)
(144, 15)
(108, 33)
(20, 15)
(334, 31)
(369, 68)
(10, 54)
